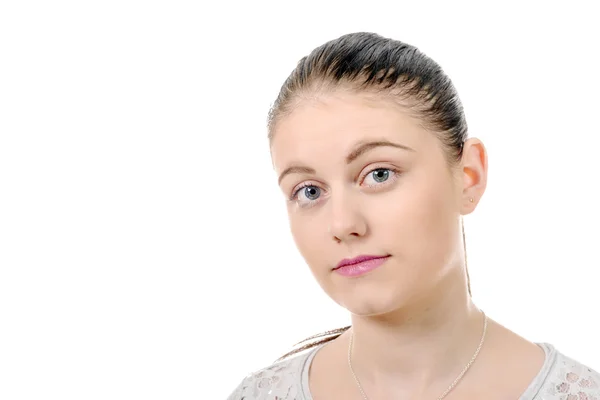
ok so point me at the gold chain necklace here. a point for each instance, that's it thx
(464, 371)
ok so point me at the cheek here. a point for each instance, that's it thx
(310, 238)
(418, 222)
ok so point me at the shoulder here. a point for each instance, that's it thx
(281, 380)
(570, 380)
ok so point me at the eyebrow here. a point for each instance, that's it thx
(354, 154)
(295, 169)
(364, 147)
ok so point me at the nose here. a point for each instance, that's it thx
(347, 221)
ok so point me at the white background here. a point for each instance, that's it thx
(144, 246)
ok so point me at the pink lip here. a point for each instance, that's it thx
(359, 265)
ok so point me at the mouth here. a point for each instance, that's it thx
(357, 260)
(359, 265)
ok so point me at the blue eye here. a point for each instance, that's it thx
(312, 192)
(379, 176)
(306, 195)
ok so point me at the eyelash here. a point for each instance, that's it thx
(396, 172)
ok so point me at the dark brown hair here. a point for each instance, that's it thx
(369, 63)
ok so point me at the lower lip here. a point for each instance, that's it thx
(360, 268)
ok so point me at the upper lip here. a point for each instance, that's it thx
(356, 260)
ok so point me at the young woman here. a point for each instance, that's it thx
(370, 144)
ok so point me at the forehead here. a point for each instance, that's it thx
(329, 126)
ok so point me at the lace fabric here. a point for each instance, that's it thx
(572, 381)
(278, 381)
(561, 378)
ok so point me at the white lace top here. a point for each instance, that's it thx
(561, 378)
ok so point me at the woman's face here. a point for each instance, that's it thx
(364, 178)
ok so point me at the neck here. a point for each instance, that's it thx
(424, 345)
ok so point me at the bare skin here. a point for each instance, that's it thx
(415, 324)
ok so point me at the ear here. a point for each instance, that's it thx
(474, 166)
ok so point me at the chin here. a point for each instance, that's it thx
(373, 304)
